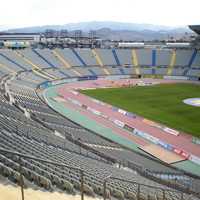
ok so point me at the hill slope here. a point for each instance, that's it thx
(114, 30)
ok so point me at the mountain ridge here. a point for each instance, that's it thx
(95, 25)
(115, 30)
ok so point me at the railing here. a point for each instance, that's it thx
(3, 151)
(106, 183)
(160, 177)
(177, 180)
(184, 185)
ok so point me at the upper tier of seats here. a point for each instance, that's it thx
(78, 62)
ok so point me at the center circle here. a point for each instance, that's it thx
(192, 101)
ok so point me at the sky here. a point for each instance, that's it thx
(25, 13)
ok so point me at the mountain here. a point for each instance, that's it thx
(145, 35)
(96, 25)
(115, 30)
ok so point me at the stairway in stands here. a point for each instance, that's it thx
(79, 57)
(135, 62)
(99, 61)
(116, 57)
(49, 63)
(190, 62)
(172, 63)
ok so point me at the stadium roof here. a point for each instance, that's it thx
(195, 28)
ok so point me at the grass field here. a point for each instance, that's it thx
(162, 103)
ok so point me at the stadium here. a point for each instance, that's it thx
(120, 123)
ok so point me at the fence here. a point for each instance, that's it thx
(107, 190)
(179, 182)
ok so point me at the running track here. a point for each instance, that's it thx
(182, 141)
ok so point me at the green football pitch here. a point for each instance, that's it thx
(161, 103)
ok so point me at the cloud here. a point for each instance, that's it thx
(23, 13)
